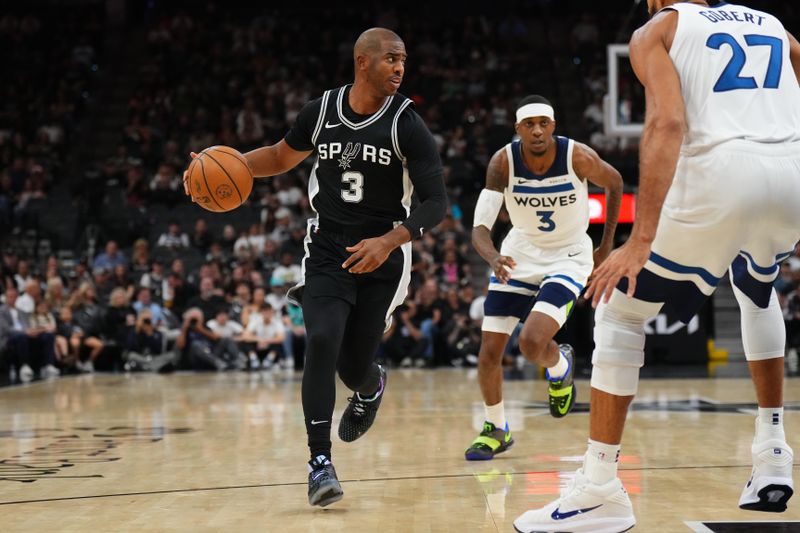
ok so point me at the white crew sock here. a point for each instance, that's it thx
(600, 462)
(496, 414)
(769, 424)
(559, 370)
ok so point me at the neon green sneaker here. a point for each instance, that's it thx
(562, 390)
(491, 441)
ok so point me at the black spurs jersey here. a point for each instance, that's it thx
(367, 167)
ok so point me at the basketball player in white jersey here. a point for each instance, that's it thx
(719, 189)
(544, 261)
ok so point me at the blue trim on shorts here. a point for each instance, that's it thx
(516, 283)
(764, 271)
(758, 291)
(502, 303)
(683, 297)
(672, 266)
(556, 294)
(566, 278)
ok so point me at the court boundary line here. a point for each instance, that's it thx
(362, 480)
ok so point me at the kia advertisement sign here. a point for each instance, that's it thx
(668, 341)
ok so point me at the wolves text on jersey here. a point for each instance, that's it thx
(546, 201)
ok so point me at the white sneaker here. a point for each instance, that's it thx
(25, 374)
(85, 367)
(770, 485)
(288, 363)
(406, 362)
(255, 364)
(582, 508)
(49, 372)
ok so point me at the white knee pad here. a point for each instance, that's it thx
(763, 330)
(619, 344)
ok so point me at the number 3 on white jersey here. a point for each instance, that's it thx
(355, 186)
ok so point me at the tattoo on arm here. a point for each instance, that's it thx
(497, 172)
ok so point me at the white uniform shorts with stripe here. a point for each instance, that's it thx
(546, 280)
(736, 206)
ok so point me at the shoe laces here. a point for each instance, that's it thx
(359, 406)
(574, 486)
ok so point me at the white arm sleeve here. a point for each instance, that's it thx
(487, 208)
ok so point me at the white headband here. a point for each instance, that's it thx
(535, 110)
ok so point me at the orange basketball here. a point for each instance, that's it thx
(220, 179)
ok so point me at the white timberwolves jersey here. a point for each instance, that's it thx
(551, 210)
(736, 76)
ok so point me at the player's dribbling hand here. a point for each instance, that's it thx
(186, 189)
(625, 262)
(367, 255)
(501, 266)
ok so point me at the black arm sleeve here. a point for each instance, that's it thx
(299, 136)
(426, 173)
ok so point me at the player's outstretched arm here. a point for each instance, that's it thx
(588, 165)
(275, 159)
(664, 126)
(794, 54)
(489, 203)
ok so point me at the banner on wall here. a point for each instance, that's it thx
(597, 208)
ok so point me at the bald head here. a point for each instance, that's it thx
(370, 42)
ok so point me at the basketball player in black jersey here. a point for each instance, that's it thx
(373, 151)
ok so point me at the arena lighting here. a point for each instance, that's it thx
(597, 208)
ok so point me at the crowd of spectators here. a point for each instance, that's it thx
(54, 63)
(190, 289)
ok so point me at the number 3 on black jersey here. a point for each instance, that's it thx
(354, 192)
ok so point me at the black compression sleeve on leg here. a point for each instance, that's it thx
(325, 319)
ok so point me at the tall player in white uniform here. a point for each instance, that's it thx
(719, 188)
(544, 261)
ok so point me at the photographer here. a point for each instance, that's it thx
(145, 346)
(201, 347)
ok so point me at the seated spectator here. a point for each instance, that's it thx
(140, 259)
(174, 238)
(144, 349)
(110, 258)
(241, 298)
(166, 187)
(122, 279)
(23, 275)
(177, 294)
(86, 312)
(119, 319)
(287, 272)
(27, 300)
(29, 339)
(201, 238)
(201, 347)
(295, 341)
(451, 271)
(404, 343)
(209, 301)
(54, 294)
(155, 280)
(74, 348)
(145, 301)
(263, 338)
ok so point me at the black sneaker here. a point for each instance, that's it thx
(562, 390)
(489, 443)
(323, 485)
(360, 414)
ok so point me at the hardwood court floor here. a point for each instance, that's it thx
(226, 452)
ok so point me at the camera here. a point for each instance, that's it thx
(193, 322)
(147, 321)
